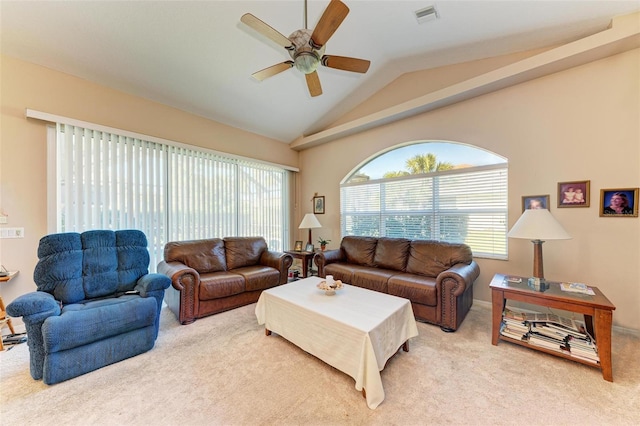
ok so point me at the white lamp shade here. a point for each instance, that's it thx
(309, 221)
(538, 224)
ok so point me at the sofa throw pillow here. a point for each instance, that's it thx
(391, 253)
(243, 251)
(359, 250)
(430, 258)
(202, 255)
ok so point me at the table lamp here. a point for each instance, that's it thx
(538, 225)
(309, 221)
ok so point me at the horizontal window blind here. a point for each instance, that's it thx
(463, 206)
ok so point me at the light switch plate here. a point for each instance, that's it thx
(11, 232)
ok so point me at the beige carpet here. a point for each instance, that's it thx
(224, 370)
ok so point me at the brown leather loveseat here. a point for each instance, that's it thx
(436, 277)
(215, 275)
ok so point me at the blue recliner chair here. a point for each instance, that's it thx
(96, 303)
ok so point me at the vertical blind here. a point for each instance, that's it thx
(462, 206)
(171, 193)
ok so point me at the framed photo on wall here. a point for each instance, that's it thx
(619, 202)
(573, 194)
(298, 246)
(535, 202)
(318, 204)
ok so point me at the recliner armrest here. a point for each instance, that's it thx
(152, 282)
(35, 306)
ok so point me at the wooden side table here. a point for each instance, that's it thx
(306, 257)
(4, 320)
(597, 311)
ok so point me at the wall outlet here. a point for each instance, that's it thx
(4, 219)
(11, 232)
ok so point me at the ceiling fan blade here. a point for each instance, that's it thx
(345, 63)
(313, 83)
(266, 30)
(272, 70)
(329, 22)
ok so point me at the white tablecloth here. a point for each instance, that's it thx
(355, 331)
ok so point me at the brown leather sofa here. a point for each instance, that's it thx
(436, 277)
(215, 275)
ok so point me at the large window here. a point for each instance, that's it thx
(105, 180)
(435, 191)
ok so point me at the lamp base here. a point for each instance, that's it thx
(538, 270)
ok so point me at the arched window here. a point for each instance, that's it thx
(442, 191)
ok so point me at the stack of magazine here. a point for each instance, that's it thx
(550, 331)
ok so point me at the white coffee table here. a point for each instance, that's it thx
(356, 330)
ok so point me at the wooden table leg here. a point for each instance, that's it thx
(405, 346)
(364, 393)
(267, 332)
(497, 302)
(603, 322)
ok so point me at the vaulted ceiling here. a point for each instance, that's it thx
(198, 57)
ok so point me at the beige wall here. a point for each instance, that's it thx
(579, 124)
(23, 195)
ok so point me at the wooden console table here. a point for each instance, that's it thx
(597, 311)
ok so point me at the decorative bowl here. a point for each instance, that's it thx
(330, 288)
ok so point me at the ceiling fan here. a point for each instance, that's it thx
(306, 48)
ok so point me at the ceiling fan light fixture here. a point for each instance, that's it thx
(306, 62)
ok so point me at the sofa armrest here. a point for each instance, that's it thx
(186, 281)
(182, 277)
(455, 286)
(323, 258)
(278, 260)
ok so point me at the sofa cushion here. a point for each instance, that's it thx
(430, 258)
(359, 250)
(204, 256)
(99, 263)
(391, 253)
(258, 277)
(215, 285)
(243, 251)
(373, 278)
(59, 270)
(133, 258)
(84, 323)
(418, 289)
(342, 271)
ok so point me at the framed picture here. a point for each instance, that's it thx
(298, 246)
(535, 202)
(619, 202)
(309, 247)
(573, 194)
(318, 204)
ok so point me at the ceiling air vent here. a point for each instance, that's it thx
(426, 14)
